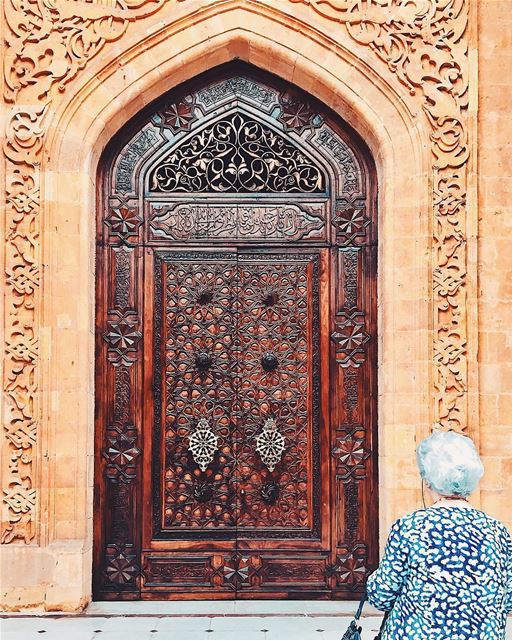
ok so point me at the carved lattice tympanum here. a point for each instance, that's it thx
(236, 332)
(237, 154)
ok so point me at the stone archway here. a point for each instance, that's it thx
(85, 113)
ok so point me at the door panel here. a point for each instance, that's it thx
(278, 329)
(195, 355)
(236, 423)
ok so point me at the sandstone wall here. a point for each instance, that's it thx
(445, 275)
(495, 254)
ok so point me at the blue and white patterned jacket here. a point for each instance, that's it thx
(446, 574)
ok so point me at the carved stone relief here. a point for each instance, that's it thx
(426, 45)
(49, 42)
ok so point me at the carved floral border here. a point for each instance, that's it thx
(425, 43)
(48, 43)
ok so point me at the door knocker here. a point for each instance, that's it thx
(202, 444)
(270, 444)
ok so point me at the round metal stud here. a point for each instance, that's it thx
(205, 296)
(203, 492)
(270, 492)
(270, 298)
(203, 361)
(269, 361)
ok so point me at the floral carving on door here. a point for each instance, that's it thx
(234, 310)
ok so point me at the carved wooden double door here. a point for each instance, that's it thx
(236, 435)
(235, 400)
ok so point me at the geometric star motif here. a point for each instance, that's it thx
(350, 336)
(123, 222)
(297, 115)
(350, 219)
(350, 567)
(238, 570)
(350, 452)
(121, 453)
(121, 568)
(122, 337)
(177, 116)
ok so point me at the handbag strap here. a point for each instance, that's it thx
(359, 611)
(386, 616)
(361, 605)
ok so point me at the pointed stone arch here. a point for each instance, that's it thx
(79, 125)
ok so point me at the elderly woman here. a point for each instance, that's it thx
(447, 569)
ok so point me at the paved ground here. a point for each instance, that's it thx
(195, 621)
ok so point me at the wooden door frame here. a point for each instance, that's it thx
(357, 558)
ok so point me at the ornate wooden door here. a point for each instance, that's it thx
(235, 350)
(236, 423)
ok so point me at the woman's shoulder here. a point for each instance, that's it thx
(420, 517)
(412, 520)
(409, 522)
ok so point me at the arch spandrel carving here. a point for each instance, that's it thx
(426, 45)
(432, 31)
